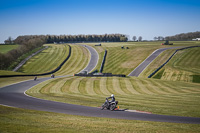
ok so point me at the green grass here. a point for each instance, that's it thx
(79, 59)
(153, 95)
(157, 96)
(12, 80)
(21, 120)
(181, 67)
(47, 60)
(123, 61)
(5, 48)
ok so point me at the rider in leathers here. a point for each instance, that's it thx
(112, 97)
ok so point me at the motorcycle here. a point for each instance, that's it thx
(109, 105)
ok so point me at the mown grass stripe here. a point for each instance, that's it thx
(123, 86)
(154, 88)
(116, 86)
(82, 85)
(76, 63)
(66, 86)
(109, 84)
(90, 86)
(75, 85)
(72, 60)
(136, 86)
(143, 87)
(97, 86)
(174, 88)
(47, 87)
(129, 86)
(103, 86)
(159, 86)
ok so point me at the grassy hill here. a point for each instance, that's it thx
(123, 61)
(157, 96)
(5, 48)
(184, 66)
(21, 120)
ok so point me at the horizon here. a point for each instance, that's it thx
(144, 18)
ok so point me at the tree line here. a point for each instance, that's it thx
(26, 46)
(29, 42)
(74, 38)
(184, 36)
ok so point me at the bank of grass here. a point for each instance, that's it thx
(123, 61)
(78, 60)
(184, 66)
(162, 58)
(5, 48)
(12, 80)
(47, 60)
(156, 96)
(22, 120)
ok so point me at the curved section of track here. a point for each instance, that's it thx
(14, 95)
(93, 60)
(139, 69)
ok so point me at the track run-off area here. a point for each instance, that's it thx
(15, 96)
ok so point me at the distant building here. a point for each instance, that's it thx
(196, 39)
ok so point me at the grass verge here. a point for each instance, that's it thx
(22, 120)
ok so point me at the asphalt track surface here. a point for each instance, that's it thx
(14, 96)
(93, 60)
(138, 70)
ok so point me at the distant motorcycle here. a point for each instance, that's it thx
(109, 105)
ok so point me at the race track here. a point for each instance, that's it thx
(136, 72)
(14, 95)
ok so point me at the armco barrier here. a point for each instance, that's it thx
(169, 60)
(103, 61)
(47, 73)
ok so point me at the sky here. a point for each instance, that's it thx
(146, 18)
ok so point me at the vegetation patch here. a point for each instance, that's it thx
(152, 95)
(196, 78)
(5, 48)
(159, 74)
(22, 120)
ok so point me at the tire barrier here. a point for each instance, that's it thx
(42, 74)
(169, 60)
(103, 61)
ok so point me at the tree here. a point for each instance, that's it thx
(134, 38)
(140, 38)
(155, 38)
(160, 38)
(9, 40)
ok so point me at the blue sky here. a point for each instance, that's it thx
(146, 18)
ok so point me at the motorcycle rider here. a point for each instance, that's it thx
(112, 97)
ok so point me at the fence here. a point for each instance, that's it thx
(103, 61)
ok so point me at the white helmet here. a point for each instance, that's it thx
(112, 95)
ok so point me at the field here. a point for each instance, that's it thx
(157, 95)
(185, 66)
(123, 61)
(21, 120)
(5, 48)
